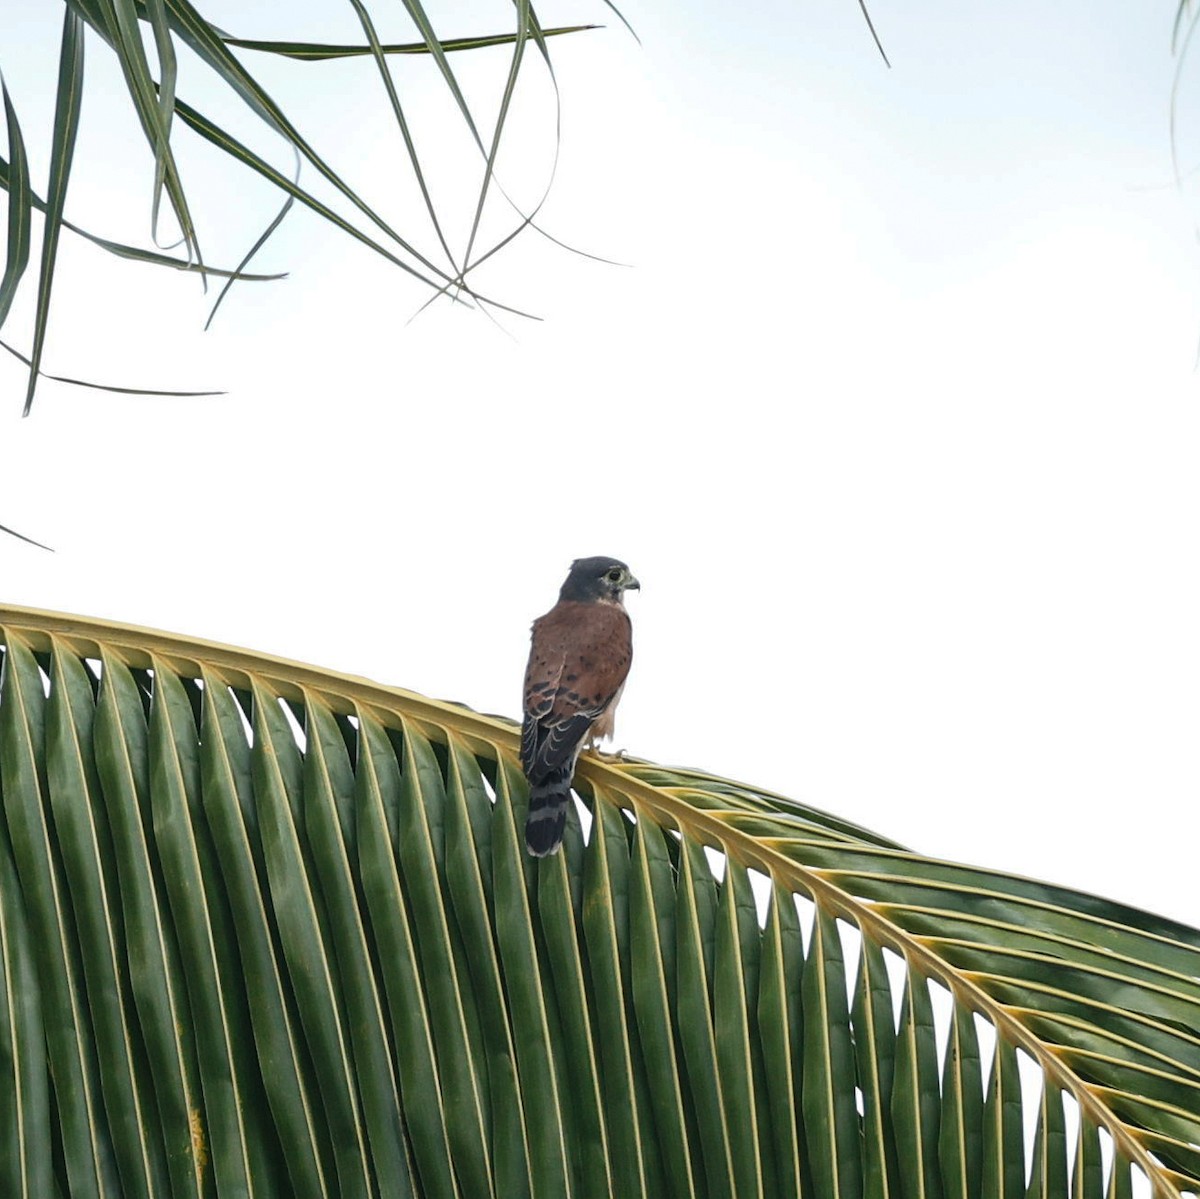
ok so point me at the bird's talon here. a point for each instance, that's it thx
(610, 755)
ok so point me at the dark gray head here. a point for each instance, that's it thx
(603, 579)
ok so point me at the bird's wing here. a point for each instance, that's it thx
(578, 660)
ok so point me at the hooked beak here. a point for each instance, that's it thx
(631, 584)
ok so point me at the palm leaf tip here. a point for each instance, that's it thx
(22, 537)
(331, 875)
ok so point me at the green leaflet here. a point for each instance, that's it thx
(82, 1134)
(328, 827)
(266, 930)
(87, 857)
(10, 181)
(1087, 1174)
(518, 1139)
(276, 770)
(117, 22)
(526, 977)
(156, 973)
(232, 819)
(1003, 1134)
(577, 1122)
(385, 75)
(695, 932)
(62, 153)
(233, 1136)
(376, 787)
(735, 993)
(781, 1030)
(641, 880)
(20, 211)
(633, 1135)
(830, 1120)
(915, 1097)
(463, 1064)
(961, 1144)
(25, 1129)
(319, 52)
(1048, 1173)
(875, 1051)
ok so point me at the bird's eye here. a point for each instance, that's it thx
(614, 575)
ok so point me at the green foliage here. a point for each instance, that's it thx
(117, 27)
(266, 930)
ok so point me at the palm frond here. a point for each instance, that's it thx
(126, 29)
(268, 929)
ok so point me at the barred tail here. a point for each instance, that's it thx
(549, 799)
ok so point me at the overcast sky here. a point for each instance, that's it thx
(892, 407)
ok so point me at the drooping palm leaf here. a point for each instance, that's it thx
(123, 28)
(269, 930)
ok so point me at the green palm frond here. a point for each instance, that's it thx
(123, 28)
(269, 930)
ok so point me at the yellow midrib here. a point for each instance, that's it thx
(344, 693)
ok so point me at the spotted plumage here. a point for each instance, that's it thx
(579, 657)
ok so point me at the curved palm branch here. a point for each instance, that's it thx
(268, 930)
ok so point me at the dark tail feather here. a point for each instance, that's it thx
(548, 803)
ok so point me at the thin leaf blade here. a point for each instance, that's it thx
(62, 154)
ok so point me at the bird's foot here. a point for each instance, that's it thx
(616, 755)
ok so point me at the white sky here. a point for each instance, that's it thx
(894, 412)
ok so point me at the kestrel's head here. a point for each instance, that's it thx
(598, 580)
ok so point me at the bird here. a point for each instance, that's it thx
(579, 657)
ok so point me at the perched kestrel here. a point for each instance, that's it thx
(578, 660)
